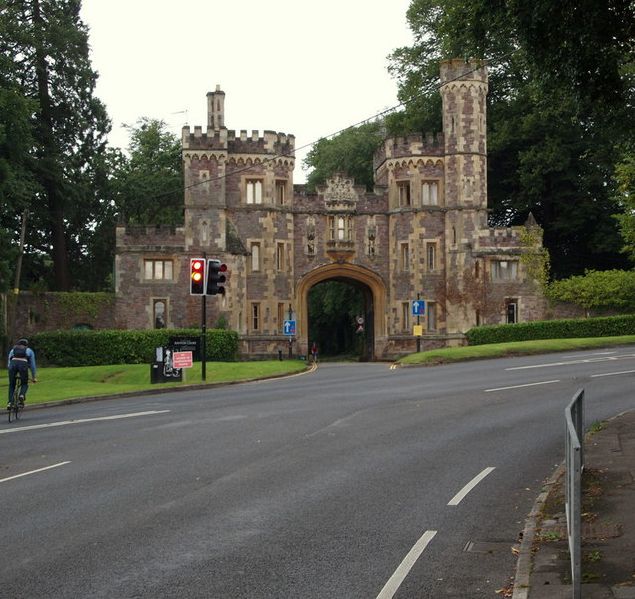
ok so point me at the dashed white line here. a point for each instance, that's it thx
(571, 362)
(467, 488)
(80, 421)
(519, 386)
(3, 480)
(612, 373)
(390, 588)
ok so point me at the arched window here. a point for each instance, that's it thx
(159, 313)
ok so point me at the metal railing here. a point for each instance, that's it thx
(574, 462)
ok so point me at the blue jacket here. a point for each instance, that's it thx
(30, 357)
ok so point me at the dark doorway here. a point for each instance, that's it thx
(341, 319)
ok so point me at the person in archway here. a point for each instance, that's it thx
(314, 352)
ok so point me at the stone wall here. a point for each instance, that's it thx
(37, 312)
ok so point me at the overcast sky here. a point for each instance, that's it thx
(309, 68)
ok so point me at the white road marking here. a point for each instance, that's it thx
(390, 588)
(3, 480)
(80, 421)
(581, 361)
(613, 373)
(467, 488)
(519, 386)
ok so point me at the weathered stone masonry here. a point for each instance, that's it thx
(422, 230)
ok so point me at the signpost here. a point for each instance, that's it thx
(418, 307)
(289, 327)
(418, 310)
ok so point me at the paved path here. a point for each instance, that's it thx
(608, 549)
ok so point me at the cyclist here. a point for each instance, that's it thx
(21, 359)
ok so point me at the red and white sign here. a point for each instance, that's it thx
(182, 359)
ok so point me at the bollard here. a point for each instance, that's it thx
(280, 355)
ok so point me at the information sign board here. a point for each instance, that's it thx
(182, 359)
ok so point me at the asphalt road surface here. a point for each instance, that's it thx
(353, 481)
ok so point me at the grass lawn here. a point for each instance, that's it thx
(55, 384)
(517, 348)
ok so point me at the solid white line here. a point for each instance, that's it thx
(467, 488)
(81, 421)
(519, 386)
(612, 373)
(2, 480)
(390, 588)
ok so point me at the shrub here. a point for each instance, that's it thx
(607, 326)
(93, 348)
(597, 289)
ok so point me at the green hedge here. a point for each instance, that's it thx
(553, 329)
(93, 348)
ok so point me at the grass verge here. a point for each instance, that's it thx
(56, 384)
(518, 348)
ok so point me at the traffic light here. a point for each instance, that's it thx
(215, 277)
(197, 276)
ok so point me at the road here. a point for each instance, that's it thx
(353, 481)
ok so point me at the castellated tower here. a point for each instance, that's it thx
(463, 91)
(238, 200)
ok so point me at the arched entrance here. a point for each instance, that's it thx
(374, 319)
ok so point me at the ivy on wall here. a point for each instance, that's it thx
(80, 305)
(535, 258)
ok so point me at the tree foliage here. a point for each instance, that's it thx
(597, 290)
(560, 98)
(148, 184)
(47, 82)
(350, 152)
(333, 306)
(625, 192)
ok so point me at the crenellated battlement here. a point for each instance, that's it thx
(430, 144)
(458, 69)
(228, 140)
(151, 234)
(509, 237)
(269, 142)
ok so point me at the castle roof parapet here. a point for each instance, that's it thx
(212, 139)
(226, 139)
(415, 144)
(158, 236)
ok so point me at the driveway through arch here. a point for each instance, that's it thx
(344, 271)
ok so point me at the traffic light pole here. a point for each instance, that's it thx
(203, 331)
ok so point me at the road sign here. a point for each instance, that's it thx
(418, 307)
(417, 330)
(289, 327)
(182, 359)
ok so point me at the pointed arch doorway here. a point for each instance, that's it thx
(374, 293)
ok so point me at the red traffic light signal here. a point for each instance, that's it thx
(215, 277)
(197, 276)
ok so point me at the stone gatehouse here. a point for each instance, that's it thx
(422, 232)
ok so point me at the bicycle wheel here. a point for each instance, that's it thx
(15, 408)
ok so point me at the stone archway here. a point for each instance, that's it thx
(344, 271)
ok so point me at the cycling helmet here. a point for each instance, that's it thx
(22, 341)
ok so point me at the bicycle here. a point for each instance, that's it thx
(16, 407)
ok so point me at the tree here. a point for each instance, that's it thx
(333, 306)
(350, 152)
(625, 191)
(148, 185)
(560, 98)
(44, 49)
(17, 185)
(597, 290)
